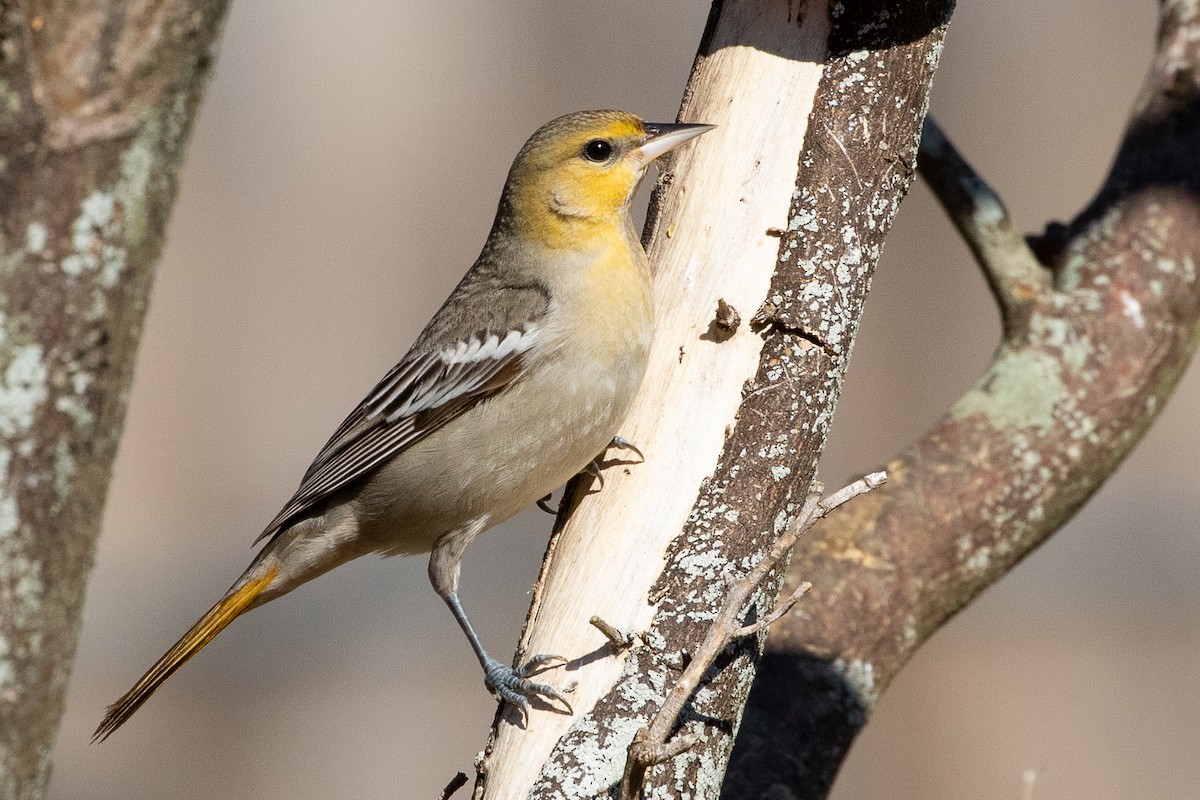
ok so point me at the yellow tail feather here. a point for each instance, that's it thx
(229, 608)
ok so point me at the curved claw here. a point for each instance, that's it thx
(539, 664)
(544, 505)
(619, 443)
(593, 469)
(514, 686)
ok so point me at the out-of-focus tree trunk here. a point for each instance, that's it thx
(97, 98)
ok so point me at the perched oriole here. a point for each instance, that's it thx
(520, 380)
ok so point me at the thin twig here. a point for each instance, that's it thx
(651, 745)
(847, 493)
(784, 607)
(544, 505)
(1012, 270)
(727, 319)
(621, 640)
(456, 783)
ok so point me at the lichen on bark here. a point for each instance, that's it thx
(96, 103)
(852, 173)
(1092, 348)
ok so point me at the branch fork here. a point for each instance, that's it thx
(653, 744)
(1013, 271)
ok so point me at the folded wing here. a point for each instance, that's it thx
(419, 395)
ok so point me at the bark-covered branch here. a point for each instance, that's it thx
(96, 102)
(1066, 397)
(819, 112)
(1012, 270)
(656, 743)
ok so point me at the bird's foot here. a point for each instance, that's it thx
(595, 468)
(515, 686)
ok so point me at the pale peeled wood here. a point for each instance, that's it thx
(730, 186)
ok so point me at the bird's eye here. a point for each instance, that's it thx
(597, 150)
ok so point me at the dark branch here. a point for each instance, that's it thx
(1010, 266)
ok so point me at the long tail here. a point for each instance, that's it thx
(229, 608)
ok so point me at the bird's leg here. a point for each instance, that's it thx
(593, 469)
(503, 681)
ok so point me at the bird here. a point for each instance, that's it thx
(516, 384)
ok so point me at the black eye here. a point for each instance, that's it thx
(597, 150)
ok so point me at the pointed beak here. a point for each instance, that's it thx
(665, 137)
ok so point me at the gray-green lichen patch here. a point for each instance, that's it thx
(980, 559)
(64, 473)
(11, 259)
(10, 101)
(137, 168)
(20, 582)
(111, 221)
(35, 238)
(1022, 388)
(96, 241)
(594, 754)
(1077, 260)
(934, 56)
(22, 390)
(21, 588)
(700, 776)
(76, 409)
(1056, 332)
(860, 675)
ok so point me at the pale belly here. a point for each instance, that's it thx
(499, 457)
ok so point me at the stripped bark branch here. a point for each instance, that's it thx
(731, 426)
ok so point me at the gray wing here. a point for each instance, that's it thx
(419, 395)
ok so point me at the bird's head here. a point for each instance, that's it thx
(581, 170)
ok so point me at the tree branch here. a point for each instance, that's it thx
(1064, 400)
(731, 425)
(1009, 265)
(652, 745)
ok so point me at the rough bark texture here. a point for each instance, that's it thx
(853, 170)
(1087, 362)
(96, 102)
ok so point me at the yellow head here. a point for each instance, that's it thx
(579, 172)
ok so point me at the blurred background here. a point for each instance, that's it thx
(343, 174)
